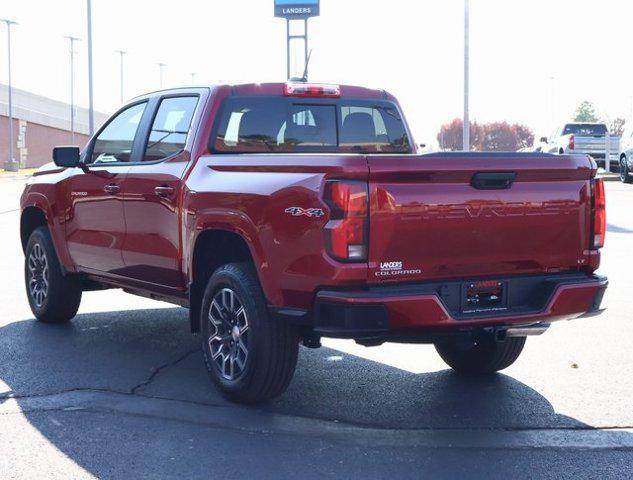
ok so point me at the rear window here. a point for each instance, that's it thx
(286, 125)
(585, 129)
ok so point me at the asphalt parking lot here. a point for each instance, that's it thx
(122, 392)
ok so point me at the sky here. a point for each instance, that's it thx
(532, 61)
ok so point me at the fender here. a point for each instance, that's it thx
(54, 220)
(237, 222)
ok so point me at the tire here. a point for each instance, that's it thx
(250, 356)
(482, 357)
(625, 176)
(53, 296)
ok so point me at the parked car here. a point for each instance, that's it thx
(283, 213)
(588, 138)
(626, 155)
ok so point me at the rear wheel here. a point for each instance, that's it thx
(485, 355)
(625, 177)
(250, 356)
(53, 296)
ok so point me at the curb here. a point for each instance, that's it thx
(15, 177)
(609, 177)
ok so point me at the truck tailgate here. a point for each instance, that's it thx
(596, 146)
(427, 220)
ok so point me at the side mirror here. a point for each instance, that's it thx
(66, 156)
(543, 140)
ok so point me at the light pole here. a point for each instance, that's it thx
(72, 86)
(11, 165)
(91, 112)
(193, 78)
(160, 72)
(121, 53)
(466, 126)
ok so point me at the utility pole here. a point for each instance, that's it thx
(121, 53)
(160, 72)
(91, 112)
(11, 165)
(193, 78)
(466, 126)
(72, 86)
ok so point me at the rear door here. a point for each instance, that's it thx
(95, 225)
(152, 194)
(468, 215)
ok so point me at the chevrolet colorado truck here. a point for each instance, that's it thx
(282, 213)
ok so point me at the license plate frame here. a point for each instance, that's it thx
(484, 297)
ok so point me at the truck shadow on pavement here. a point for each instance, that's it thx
(150, 353)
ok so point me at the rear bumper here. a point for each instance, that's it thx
(414, 309)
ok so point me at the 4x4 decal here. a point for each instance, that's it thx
(308, 212)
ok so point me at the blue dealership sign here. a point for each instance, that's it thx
(296, 8)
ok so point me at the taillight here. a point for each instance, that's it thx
(346, 231)
(572, 142)
(295, 89)
(599, 214)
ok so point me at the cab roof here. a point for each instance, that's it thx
(277, 88)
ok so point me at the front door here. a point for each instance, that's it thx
(151, 201)
(95, 224)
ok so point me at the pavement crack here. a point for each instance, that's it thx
(21, 396)
(9, 211)
(159, 369)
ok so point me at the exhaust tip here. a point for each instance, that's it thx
(529, 331)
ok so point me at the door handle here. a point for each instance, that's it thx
(493, 181)
(112, 189)
(164, 191)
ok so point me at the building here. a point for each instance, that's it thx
(39, 123)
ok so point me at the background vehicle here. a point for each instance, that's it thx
(587, 138)
(280, 213)
(626, 155)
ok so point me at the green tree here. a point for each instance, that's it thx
(585, 112)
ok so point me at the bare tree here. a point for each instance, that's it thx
(616, 126)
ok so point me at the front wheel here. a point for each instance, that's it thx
(53, 296)
(250, 356)
(485, 355)
(625, 176)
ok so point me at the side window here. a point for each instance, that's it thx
(114, 143)
(170, 128)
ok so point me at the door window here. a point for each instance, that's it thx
(114, 143)
(170, 127)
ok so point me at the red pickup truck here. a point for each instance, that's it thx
(283, 213)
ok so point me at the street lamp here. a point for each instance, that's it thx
(72, 86)
(121, 53)
(160, 67)
(91, 112)
(11, 165)
(466, 126)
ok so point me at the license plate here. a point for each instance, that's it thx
(484, 296)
